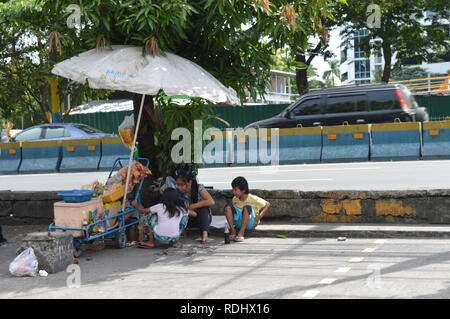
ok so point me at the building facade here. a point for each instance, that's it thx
(279, 90)
(358, 68)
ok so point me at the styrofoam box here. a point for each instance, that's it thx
(72, 214)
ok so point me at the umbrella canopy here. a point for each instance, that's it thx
(124, 68)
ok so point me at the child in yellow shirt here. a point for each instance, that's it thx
(245, 211)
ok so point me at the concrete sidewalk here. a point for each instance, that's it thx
(295, 229)
(274, 268)
(327, 230)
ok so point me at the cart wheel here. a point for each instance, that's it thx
(77, 248)
(77, 252)
(121, 239)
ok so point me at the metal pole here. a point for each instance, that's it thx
(132, 152)
(56, 107)
(289, 88)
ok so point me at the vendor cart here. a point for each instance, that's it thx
(116, 234)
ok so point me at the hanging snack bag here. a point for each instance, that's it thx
(126, 131)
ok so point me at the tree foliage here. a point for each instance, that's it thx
(405, 73)
(333, 72)
(234, 40)
(25, 64)
(404, 30)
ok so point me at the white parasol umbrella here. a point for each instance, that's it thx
(124, 68)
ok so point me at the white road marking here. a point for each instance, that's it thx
(280, 170)
(390, 163)
(311, 293)
(343, 269)
(310, 165)
(330, 280)
(275, 180)
(327, 281)
(54, 174)
(356, 260)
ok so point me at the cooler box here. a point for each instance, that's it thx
(72, 214)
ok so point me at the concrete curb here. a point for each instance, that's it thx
(405, 207)
(345, 230)
(359, 207)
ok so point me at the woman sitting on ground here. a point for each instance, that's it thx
(198, 199)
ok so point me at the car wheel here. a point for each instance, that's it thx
(77, 252)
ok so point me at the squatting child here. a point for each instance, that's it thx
(166, 221)
(245, 211)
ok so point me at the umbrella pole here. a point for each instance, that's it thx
(132, 152)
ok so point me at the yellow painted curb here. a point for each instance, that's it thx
(111, 140)
(83, 142)
(38, 144)
(393, 208)
(389, 127)
(301, 131)
(363, 128)
(350, 207)
(436, 125)
(9, 145)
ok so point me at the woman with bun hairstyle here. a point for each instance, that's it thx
(198, 199)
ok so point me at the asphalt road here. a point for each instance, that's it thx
(273, 268)
(414, 175)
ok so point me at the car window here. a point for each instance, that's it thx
(361, 103)
(88, 129)
(308, 107)
(55, 132)
(29, 135)
(382, 100)
(341, 103)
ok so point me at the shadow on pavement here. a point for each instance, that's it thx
(412, 263)
(109, 264)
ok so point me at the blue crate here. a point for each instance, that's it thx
(77, 196)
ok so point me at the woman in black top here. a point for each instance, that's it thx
(199, 200)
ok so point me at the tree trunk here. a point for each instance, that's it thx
(387, 53)
(301, 76)
(147, 148)
(145, 138)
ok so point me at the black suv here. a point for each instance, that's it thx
(363, 104)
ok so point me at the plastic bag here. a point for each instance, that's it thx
(95, 186)
(170, 182)
(126, 131)
(115, 179)
(25, 264)
(138, 172)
